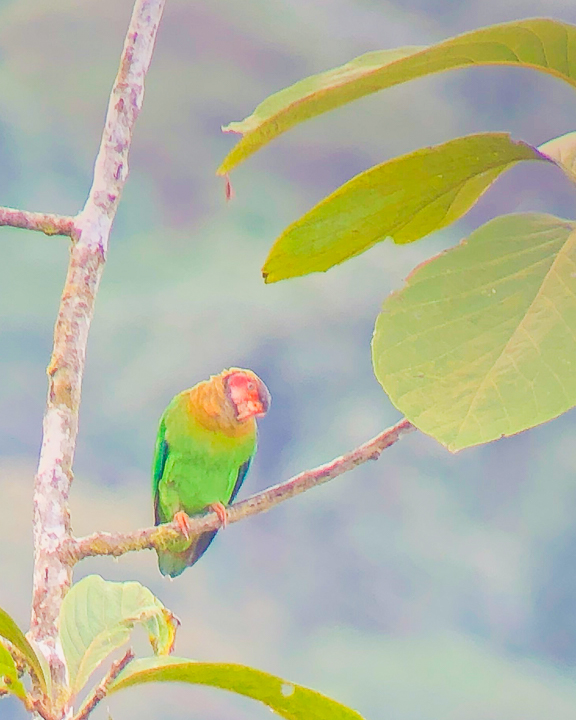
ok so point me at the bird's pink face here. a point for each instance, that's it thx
(248, 394)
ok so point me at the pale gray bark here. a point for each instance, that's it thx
(90, 234)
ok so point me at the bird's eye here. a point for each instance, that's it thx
(251, 387)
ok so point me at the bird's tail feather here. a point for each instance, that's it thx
(174, 563)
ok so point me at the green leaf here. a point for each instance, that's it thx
(540, 44)
(405, 199)
(11, 632)
(9, 680)
(481, 343)
(98, 616)
(286, 699)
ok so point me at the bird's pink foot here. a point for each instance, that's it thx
(220, 510)
(183, 522)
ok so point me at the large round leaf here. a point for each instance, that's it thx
(481, 343)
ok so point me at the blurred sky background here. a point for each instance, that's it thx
(422, 587)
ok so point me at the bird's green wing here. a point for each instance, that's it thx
(174, 563)
(160, 456)
(197, 549)
(242, 472)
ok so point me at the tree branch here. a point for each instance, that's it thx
(91, 231)
(43, 222)
(101, 543)
(101, 690)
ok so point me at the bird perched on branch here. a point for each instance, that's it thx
(206, 441)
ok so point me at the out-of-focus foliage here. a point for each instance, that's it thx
(10, 631)
(9, 681)
(430, 586)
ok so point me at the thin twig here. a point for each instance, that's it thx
(47, 223)
(102, 543)
(52, 577)
(101, 690)
(38, 706)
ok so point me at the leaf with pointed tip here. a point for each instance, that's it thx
(562, 150)
(481, 342)
(11, 632)
(540, 44)
(9, 681)
(404, 199)
(98, 616)
(288, 700)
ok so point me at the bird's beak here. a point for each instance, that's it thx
(251, 408)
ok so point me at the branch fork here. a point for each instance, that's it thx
(101, 690)
(47, 223)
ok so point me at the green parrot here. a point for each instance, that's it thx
(206, 441)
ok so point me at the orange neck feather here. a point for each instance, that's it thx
(211, 408)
